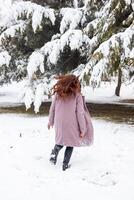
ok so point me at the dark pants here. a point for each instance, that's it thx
(67, 154)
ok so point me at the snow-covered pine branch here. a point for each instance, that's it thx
(13, 31)
(72, 18)
(102, 59)
(51, 51)
(74, 39)
(27, 10)
(37, 12)
(20, 32)
(36, 91)
(36, 61)
(106, 21)
(4, 58)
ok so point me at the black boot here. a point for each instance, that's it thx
(65, 166)
(67, 156)
(54, 154)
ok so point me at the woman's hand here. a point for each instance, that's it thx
(82, 135)
(49, 126)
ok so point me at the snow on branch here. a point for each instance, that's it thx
(39, 96)
(125, 39)
(28, 9)
(28, 97)
(13, 30)
(36, 61)
(130, 2)
(4, 58)
(51, 50)
(75, 3)
(72, 17)
(34, 92)
(100, 60)
(75, 39)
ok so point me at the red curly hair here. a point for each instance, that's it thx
(66, 85)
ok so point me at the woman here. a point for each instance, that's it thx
(69, 115)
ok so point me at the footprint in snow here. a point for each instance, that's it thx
(105, 179)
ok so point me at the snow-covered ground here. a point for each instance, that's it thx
(104, 171)
(107, 92)
(11, 93)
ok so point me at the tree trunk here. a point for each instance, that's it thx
(118, 87)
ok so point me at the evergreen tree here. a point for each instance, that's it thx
(91, 38)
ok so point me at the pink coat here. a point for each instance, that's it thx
(70, 117)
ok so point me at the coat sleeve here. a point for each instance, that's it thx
(52, 111)
(80, 112)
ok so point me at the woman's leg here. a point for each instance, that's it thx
(67, 156)
(54, 153)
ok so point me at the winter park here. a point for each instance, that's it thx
(89, 46)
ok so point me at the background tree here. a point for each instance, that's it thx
(91, 38)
